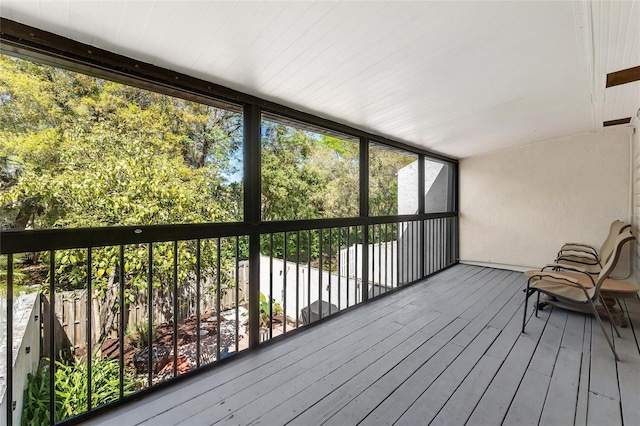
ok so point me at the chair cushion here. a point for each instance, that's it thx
(563, 291)
(610, 287)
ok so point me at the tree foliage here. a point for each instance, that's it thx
(289, 178)
(98, 153)
(78, 151)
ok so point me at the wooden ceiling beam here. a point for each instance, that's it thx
(623, 76)
(616, 122)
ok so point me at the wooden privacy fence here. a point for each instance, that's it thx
(72, 310)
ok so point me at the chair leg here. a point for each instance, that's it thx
(624, 313)
(604, 331)
(526, 299)
(611, 320)
(537, 304)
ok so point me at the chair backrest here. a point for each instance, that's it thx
(622, 238)
(608, 245)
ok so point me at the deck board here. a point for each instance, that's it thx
(583, 388)
(565, 378)
(627, 348)
(527, 404)
(447, 351)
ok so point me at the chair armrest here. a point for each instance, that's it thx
(577, 269)
(552, 276)
(560, 279)
(567, 267)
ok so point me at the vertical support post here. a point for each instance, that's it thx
(348, 267)
(320, 253)
(175, 309)
(89, 329)
(453, 194)
(9, 363)
(218, 295)
(386, 255)
(271, 298)
(297, 277)
(339, 266)
(329, 275)
(392, 260)
(198, 295)
(373, 258)
(308, 276)
(364, 212)
(251, 140)
(399, 255)
(52, 337)
(237, 254)
(122, 321)
(421, 210)
(379, 256)
(284, 284)
(150, 315)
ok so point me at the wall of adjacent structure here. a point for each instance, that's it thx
(26, 350)
(518, 206)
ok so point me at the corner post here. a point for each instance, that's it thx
(251, 139)
(421, 210)
(364, 212)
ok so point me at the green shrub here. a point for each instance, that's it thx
(71, 389)
(265, 309)
(139, 336)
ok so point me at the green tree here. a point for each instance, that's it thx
(289, 178)
(77, 151)
(100, 153)
(337, 161)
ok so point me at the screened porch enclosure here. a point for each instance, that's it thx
(312, 212)
(188, 226)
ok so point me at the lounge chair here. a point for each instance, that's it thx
(571, 292)
(588, 257)
(611, 289)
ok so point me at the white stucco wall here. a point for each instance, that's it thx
(26, 334)
(436, 186)
(408, 189)
(345, 291)
(518, 206)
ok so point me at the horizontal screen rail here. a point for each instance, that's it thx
(68, 238)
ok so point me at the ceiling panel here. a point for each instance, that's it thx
(460, 78)
(84, 14)
(106, 28)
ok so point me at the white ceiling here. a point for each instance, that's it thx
(459, 78)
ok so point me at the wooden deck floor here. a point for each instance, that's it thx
(447, 351)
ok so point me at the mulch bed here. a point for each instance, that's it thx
(186, 334)
(187, 346)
